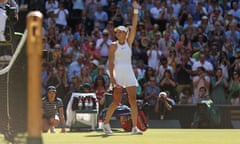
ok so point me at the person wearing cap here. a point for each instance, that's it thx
(102, 44)
(53, 112)
(164, 102)
(121, 71)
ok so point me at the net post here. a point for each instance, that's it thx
(34, 54)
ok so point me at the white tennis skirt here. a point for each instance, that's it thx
(125, 76)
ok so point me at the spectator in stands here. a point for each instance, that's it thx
(102, 72)
(233, 33)
(61, 15)
(86, 22)
(51, 37)
(211, 55)
(172, 30)
(102, 44)
(141, 68)
(153, 33)
(148, 73)
(92, 52)
(189, 23)
(176, 5)
(235, 10)
(228, 47)
(151, 92)
(203, 94)
(224, 64)
(201, 80)
(138, 53)
(84, 76)
(186, 96)
(200, 44)
(127, 17)
(168, 83)
(228, 19)
(217, 15)
(173, 60)
(139, 89)
(162, 67)
(100, 88)
(157, 14)
(51, 6)
(206, 25)
(57, 52)
(234, 89)
(216, 36)
(208, 67)
(110, 29)
(59, 80)
(100, 16)
(219, 84)
(53, 112)
(118, 17)
(111, 10)
(124, 4)
(75, 84)
(64, 36)
(91, 7)
(154, 55)
(183, 42)
(75, 67)
(166, 43)
(183, 75)
(68, 50)
(77, 8)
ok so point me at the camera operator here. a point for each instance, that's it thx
(8, 11)
(164, 103)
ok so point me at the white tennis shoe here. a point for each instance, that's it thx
(136, 131)
(107, 129)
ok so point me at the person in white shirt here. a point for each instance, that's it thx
(203, 63)
(102, 44)
(154, 55)
(61, 15)
(51, 5)
(201, 80)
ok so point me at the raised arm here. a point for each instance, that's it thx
(132, 33)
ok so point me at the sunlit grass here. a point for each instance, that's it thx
(151, 136)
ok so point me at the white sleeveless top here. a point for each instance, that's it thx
(123, 71)
(123, 54)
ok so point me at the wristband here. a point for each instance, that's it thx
(135, 11)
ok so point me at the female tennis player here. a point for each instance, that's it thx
(121, 71)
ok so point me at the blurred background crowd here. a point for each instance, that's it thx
(189, 48)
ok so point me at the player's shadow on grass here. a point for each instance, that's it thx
(116, 132)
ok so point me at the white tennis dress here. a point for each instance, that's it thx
(123, 71)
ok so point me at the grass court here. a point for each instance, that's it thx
(151, 136)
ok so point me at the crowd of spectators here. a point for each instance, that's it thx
(180, 47)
